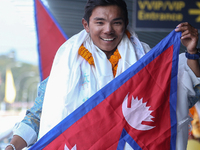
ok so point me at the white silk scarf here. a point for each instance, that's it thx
(73, 80)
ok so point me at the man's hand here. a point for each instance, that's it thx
(189, 37)
(18, 142)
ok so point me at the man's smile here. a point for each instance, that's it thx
(108, 39)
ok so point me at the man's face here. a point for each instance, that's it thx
(106, 27)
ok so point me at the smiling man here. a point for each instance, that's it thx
(106, 27)
(90, 60)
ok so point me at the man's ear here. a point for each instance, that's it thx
(127, 23)
(85, 25)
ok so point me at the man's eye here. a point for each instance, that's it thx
(100, 23)
(118, 23)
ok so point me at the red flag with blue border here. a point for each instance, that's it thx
(136, 109)
(50, 37)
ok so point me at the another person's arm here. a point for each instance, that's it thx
(189, 39)
(26, 132)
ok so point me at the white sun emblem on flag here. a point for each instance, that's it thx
(137, 113)
(66, 148)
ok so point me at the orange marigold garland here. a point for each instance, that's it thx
(88, 57)
(114, 61)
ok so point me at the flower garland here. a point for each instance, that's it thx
(114, 61)
(88, 57)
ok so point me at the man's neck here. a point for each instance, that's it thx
(109, 53)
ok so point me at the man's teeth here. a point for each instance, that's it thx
(108, 39)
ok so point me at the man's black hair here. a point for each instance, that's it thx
(91, 4)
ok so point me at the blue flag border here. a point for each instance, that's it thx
(173, 38)
(125, 137)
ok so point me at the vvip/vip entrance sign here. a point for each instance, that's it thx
(166, 14)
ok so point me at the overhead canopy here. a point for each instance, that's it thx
(69, 13)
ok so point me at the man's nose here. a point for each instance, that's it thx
(108, 28)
